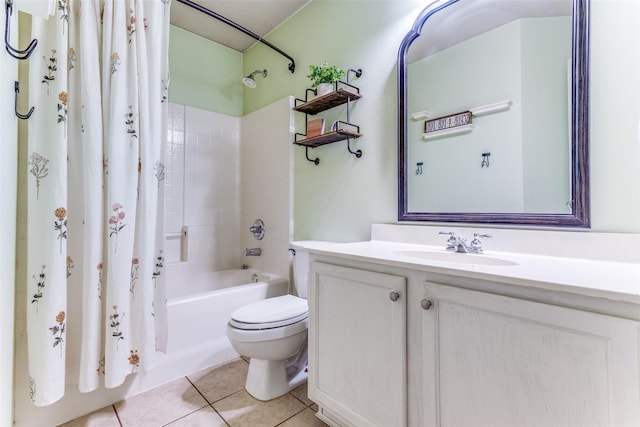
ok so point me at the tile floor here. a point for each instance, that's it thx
(212, 398)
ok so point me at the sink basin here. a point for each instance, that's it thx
(454, 257)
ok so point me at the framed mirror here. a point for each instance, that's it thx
(493, 113)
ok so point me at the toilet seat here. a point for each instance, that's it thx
(270, 313)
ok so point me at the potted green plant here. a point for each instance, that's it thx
(324, 77)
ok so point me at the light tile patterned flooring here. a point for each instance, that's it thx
(212, 398)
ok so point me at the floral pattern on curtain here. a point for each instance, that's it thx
(96, 192)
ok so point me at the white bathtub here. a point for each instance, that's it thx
(197, 315)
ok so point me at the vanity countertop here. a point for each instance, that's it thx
(613, 280)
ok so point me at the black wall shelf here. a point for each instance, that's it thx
(343, 93)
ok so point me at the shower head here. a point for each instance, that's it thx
(250, 82)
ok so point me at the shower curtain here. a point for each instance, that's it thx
(98, 81)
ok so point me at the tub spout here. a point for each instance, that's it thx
(252, 252)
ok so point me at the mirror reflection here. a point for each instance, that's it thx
(490, 115)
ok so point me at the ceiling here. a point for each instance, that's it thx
(261, 16)
(466, 19)
(257, 16)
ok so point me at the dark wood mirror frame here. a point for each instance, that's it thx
(579, 174)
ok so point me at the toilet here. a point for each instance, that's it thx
(273, 334)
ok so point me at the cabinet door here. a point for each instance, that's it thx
(492, 360)
(357, 363)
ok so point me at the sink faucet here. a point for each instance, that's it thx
(252, 252)
(459, 244)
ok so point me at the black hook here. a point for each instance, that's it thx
(485, 160)
(315, 161)
(16, 53)
(357, 153)
(357, 73)
(21, 116)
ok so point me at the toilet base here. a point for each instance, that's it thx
(268, 379)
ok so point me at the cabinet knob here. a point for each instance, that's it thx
(393, 296)
(426, 304)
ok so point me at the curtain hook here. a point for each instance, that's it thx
(21, 116)
(8, 11)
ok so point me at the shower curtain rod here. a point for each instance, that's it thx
(292, 64)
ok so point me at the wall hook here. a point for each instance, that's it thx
(315, 161)
(419, 169)
(21, 116)
(357, 73)
(485, 160)
(357, 153)
(16, 53)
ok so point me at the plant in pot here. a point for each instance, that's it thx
(324, 77)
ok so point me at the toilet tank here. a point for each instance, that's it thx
(301, 263)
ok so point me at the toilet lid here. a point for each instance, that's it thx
(270, 313)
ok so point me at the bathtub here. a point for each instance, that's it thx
(197, 315)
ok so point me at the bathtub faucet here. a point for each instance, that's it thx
(252, 252)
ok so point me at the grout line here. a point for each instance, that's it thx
(117, 415)
(210, 403)
(296, 414)
(199, 392)
(220, 415)
(300, 400)
(189, 414)
(215, 401)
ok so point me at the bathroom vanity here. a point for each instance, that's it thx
(542, 329)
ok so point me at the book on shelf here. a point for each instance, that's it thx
(315, 127)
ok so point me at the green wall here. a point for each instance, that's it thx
(482, 70)
(545, 113)
(524, 61)
(340, 198)
(204, 74)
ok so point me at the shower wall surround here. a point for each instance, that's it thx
(219, 181)
(203, 193)
(266, 183)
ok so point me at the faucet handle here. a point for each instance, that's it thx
(452, 241)
(451, 234)
(476, 243)
(257, 229)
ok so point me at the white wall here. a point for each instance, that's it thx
(9, 180)
(267, 184)
(615, 115)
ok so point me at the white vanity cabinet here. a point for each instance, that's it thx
(357, 346)
(492, 360)
(464, 353)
